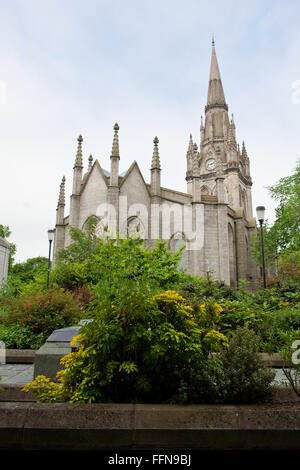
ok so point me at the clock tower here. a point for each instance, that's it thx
(219, 152)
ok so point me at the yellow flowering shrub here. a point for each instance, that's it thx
(139, 349)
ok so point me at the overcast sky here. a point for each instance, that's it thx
(73, 67)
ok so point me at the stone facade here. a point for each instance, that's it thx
(213, 219)
(4, 255)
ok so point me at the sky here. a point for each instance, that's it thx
(70, 67)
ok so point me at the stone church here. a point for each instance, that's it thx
(213, 219)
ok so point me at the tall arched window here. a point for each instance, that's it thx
(177, 241)
(135, 227)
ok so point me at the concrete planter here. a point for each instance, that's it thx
(146, 427)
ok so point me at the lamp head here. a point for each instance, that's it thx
(260, 213)
(50, 235)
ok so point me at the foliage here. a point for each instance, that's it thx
(291, 369)
(87, 261)
(288, 268)
(45, 388)
(286, 229)
(244, 378)
(41, 311)
(5, 233)
(138, 349)
(23, 276)
(31, 268)
(16, 336)
(270, 246)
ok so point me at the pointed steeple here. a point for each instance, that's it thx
(155, 158)
(78, 160)
(215, 96)
(61, 197)
(115, 147)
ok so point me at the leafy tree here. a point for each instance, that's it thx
(286, 229)
(5, 233)
(270, 246)
(31, 268)
(88, 260)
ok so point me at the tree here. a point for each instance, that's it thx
(5, 233)
(88, 260)
(270, 247)
(286, 228)
(282, 239)
(31, 268)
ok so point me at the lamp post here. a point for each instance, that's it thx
(50, 238)
(260, 212)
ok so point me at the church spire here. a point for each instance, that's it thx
(215, 95)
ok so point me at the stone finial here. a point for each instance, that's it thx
(78, 161)
(155, 159)
(232, 122)
(244, 151)
(61, 197)
(195, 147)
(90, 163)
(190, 149)
(115, 147)
(201, 126)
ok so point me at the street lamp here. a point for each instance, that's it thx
(260, 212)
(50, 238)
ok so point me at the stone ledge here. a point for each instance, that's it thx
(20, 356)
(44, 426)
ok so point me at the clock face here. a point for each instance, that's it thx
(210, 164)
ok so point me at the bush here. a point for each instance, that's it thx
(41, 311)
(20, 337)
(137, 350)
(244, 378)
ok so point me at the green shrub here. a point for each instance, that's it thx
(138, 349)
(41, 311)
(20, 337)
(244, 378)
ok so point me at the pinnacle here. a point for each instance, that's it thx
(244, 151)
(191, 145)
(155, 159)
(115, 147)
(90, 162)
(78, 160)
(61, 197)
